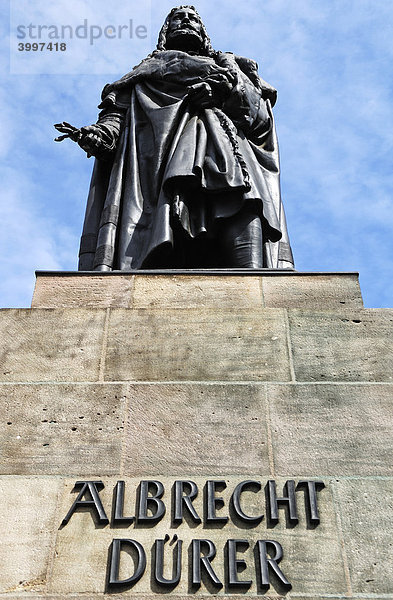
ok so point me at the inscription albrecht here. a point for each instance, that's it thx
(187, 168)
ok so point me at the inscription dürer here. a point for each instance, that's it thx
(150, 508)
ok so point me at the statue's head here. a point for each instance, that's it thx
(183, 30)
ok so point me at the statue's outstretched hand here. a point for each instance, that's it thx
(68, 130)
(89, 138)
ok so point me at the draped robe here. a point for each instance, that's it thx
(170, 165)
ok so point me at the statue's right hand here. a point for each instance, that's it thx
(68, 131)
(90, 139)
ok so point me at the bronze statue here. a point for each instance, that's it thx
(187, 170)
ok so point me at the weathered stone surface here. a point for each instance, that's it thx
(333, 290)
(199, 345)
(27, 512)
(61, 429)
(312, 557)
(75, 291)
(50, 345)
(196, 429)
(197, 291)
(367, 515)
(349, 345)
(171, 290)
(178, 597)
(336, 429)
(235, 413)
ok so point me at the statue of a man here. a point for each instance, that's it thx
(187, 169)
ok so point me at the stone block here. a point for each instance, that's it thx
(50, 345)
(75, 291)
(61, 429)
(197, 291)
(212, 289)
(28, 507)
(197, 345)
(347, 345)
(303, 290)
(367, 514)
(312, 557)
(195, 428)
(332, 429)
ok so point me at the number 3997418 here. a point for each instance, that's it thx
(41, 46)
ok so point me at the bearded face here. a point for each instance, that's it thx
(184, 31)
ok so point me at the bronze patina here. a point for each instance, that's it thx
(187, 168)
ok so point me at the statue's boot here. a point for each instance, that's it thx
(241, 240)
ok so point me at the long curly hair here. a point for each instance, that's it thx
(206, 48)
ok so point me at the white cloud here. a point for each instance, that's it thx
(29, 239)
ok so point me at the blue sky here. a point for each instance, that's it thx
(331, 61)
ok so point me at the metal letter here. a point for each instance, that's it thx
(212, 502)
(234, 563)
(159, 564)
(187, 499)
(92, 488)
(310, 499)
(198, 561)
(114, 567)
(288, 500)
(146, 502)
(118, 517)
(266, 562)
(236, 500)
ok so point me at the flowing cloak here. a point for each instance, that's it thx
(177, 165)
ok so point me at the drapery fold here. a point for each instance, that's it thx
(176, 165)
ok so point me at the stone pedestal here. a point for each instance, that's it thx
(220, 376)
